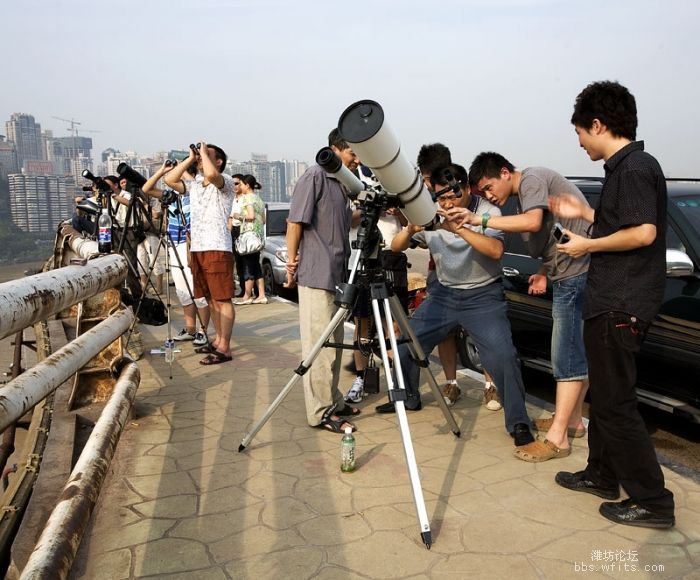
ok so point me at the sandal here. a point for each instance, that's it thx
(206, 349)
(216, 358)
(349, 411)
(539, 451)
(543, 425)
(336, 425)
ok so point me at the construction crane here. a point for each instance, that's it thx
(73, 126)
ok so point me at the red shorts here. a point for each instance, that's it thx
(212, 274)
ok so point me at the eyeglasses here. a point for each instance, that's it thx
(444, 198)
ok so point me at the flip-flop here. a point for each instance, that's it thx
(539, 451)
(206, 349)
(215, 358)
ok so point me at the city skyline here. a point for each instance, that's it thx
(275, 76)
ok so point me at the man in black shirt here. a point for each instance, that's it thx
(626, 281)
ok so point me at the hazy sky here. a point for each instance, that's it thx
(273, 76)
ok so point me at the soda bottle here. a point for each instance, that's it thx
(347, 451)
(169, 350)
(104, 233)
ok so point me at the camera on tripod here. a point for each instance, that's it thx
(101, 185)
(168, 197)
(131, 175)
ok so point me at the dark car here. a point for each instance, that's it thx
(273, 257)
(669, 362)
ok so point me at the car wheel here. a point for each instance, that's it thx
(468, 352)
(271, 286)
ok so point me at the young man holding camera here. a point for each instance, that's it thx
(318, 246)
(626, 282)
(498, 179)
(211, 198)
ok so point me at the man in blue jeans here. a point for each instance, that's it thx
(532, 187)
(468, 292)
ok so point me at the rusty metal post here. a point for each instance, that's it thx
(28, 300)
(7, 447)
(22, 393)
(55, 551)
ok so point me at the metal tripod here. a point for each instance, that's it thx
(383, 301)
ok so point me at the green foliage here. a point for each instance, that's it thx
(19, 246)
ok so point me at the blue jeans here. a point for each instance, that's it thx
(568, 351)
(482, 313)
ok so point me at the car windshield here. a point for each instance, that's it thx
(277, 222)
(690, 208)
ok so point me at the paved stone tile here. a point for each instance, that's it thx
(169, 555)
(214, 527)
(114, 565)
(297, 562)
(385, 555)
(180, 501)
(253, 542)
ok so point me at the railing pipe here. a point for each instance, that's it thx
(22, 393)
(28, 300)
(55, 551)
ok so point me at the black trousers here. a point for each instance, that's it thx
(620, 448)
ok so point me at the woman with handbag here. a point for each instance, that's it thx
(250, 241)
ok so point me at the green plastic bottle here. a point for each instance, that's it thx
(347, 451)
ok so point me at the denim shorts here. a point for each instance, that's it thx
(568, 351)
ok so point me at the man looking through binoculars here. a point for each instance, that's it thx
(211, 252)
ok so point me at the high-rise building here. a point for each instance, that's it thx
(293, 171)
(270, 174)
(8, 157)
(38, 202)
(25, 133)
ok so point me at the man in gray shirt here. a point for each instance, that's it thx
(468, 292)
(497, 178)
(318, 247)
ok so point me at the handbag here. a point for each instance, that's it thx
(248, 243)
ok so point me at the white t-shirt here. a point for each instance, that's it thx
(236, 208)
(209, 211)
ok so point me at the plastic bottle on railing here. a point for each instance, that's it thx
(347, 451)
(104, 233)
(169, 350)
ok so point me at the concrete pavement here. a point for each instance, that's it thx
(181, 502)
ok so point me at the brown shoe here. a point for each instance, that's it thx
(543, 425)
(539, 451)
(491, 399)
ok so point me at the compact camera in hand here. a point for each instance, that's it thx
(559, 234)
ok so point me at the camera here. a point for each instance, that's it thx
(559, 235)
(100, 183)
(126, 172)
(168, 196)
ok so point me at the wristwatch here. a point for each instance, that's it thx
(484, 221)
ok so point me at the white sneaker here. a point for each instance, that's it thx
(183, 335)
(356, 392)
(200, 339)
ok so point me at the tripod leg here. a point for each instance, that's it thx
(339, 318)
(422, 360)
(398, 396)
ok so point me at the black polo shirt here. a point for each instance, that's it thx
(634, 193)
